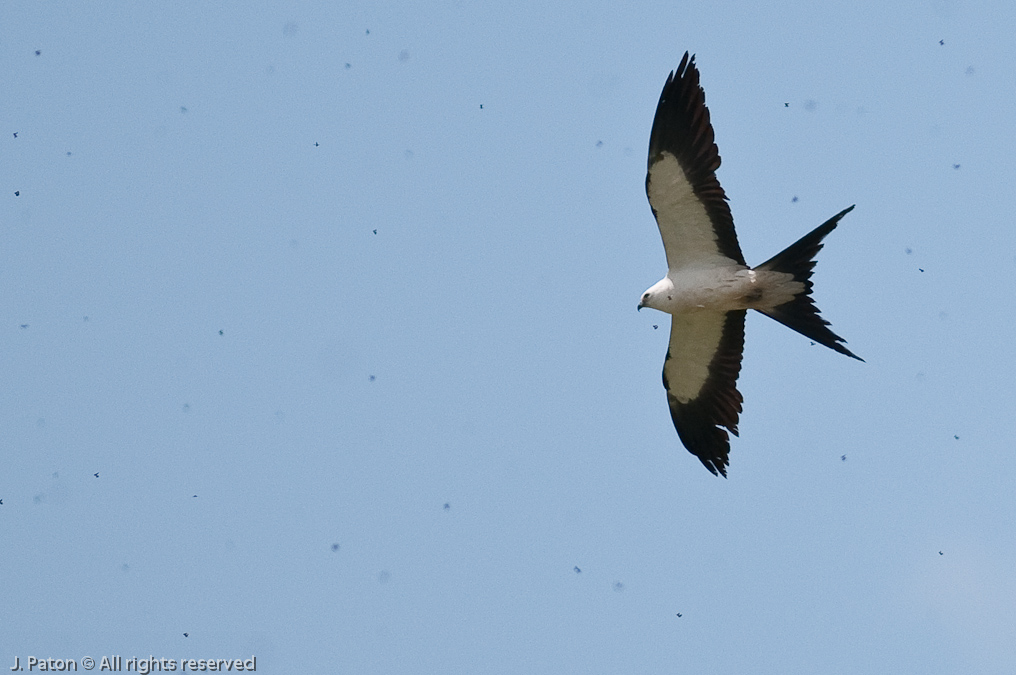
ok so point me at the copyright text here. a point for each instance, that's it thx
(142, 666)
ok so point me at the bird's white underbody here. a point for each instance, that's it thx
(724, 288)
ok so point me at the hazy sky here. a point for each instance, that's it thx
(319, 343)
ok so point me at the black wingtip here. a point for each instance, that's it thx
(702, 437)
(716, 468)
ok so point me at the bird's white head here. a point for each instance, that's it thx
(658, 295)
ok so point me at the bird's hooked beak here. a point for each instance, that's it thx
(640, 307)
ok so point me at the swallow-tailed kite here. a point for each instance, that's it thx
(708, 287)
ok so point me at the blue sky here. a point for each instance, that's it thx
(338, 301)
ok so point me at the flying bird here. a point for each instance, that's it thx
(709, 288)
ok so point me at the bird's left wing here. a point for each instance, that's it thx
(700, 376)
(690, 206)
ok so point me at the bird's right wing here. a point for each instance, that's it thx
(690, 206)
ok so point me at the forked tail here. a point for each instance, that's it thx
(801, 314)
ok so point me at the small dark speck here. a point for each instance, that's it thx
(481, 106)
(15, 134)
(368, 31)
(794, 200)
(193, 496)
(221, 333)
(375, 231)
(919, 269)
(655, 326)
(68, 153)
(956, 166)
(599, 144)
(843, 458)
(446, 506)
(186, 407)
(1, 502)
(908, 250)
(372, 378)
(186, 634)
(96, 475)
(940, 553)
(669, 298)
(786, 105)
(812, 344)
(941, 42)
(17, 193)
(618, 587)
(183, 109)
(335, 547)
(956, 437)
(38, 52)
(577, 570)
(679, 615)
(348, 66)
(24, 325)
(316, 144)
